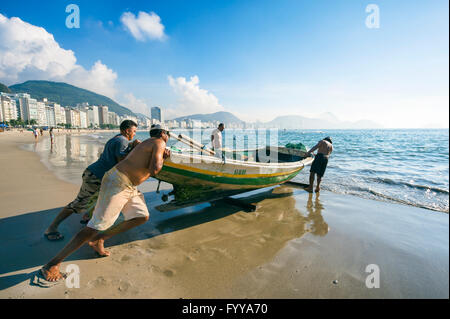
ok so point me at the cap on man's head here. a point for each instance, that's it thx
(158, 127)
(328, 139)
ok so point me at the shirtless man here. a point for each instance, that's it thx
(114, 151)
(118, 193)
(325, 147)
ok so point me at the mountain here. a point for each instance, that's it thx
(224, 117)
(4, 88)
(329, 121)
(67, 95)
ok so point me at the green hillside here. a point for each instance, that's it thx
(4, 88)
(67, 95)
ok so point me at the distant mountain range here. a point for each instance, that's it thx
(67, 95)
(224, 117)
(324, 121)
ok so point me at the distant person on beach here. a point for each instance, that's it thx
(36, 134)
(324, 147)
(42, 131)
(118, 193)
(51, 135)
(115, 150)
(216, 140)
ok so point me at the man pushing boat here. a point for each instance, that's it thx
(115, 150)
(118, 193)
(324, 149)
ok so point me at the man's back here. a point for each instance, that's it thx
(138, 164)
(325, 147)
(114, 149)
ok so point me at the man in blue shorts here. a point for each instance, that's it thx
(115, 150)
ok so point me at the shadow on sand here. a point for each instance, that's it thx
(24, 247)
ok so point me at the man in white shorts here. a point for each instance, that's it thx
(118, 193)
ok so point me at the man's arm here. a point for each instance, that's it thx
(157, 160)
(314, 148)
(123, 148)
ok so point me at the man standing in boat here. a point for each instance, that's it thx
(216, 140)
(324, 149)
(118, 193)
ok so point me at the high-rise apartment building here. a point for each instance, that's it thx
(156, 114)
(103, 115)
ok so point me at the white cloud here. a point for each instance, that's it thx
(28, 52)
(144, 26)
(191, 98)
(135, 104)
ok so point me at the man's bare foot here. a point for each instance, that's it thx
(99, 248)
(317, 189)
(308, 189)
(52, 273)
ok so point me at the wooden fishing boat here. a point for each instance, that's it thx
(197, 177)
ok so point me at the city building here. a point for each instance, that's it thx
(7, 108)
(83, 119)
(41, 114)
(93, 117)
(103, 115)
(156, 114)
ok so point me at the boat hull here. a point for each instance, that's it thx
(197, 178)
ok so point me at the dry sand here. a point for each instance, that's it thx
(296, 245)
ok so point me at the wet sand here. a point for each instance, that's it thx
(296, 244)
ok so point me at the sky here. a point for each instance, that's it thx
(257, 59)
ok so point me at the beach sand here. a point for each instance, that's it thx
(296, 244)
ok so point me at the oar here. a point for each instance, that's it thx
(190, 142)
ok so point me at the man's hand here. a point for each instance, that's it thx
(166, 153)
(134, 144)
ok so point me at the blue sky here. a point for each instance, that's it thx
(260, 59)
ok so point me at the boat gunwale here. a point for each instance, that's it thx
(207, 159)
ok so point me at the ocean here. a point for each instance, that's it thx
(406, 166)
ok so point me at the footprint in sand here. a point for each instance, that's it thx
(168, 273)
(99, 282)
(125, 258)
(124, 286)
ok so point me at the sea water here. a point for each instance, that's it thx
(407, 166)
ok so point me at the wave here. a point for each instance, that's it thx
(360, 191)
(410, 185)
(401, 201)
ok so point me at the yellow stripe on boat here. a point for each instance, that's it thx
(215, 173)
